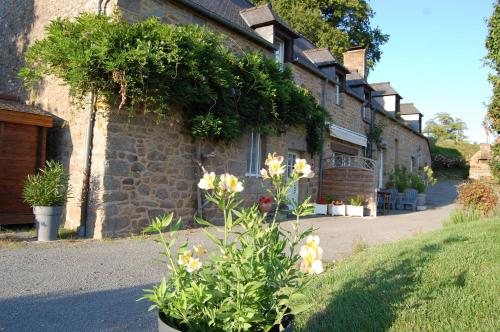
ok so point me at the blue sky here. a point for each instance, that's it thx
(434, 56)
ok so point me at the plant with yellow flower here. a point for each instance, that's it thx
(252, 280)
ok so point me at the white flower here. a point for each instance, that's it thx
(207, 182)
(230, 183)
(274, 158)
(311, 255)
(199, 250)
(263, 174)
(193, 265)
(316, 267)
(302, 167)
(185, 257)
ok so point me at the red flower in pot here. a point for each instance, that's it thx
(265, 204)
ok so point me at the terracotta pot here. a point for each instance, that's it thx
(265, 207)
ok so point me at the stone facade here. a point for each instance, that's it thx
(480, 163)
(402, 146)
(141, 168)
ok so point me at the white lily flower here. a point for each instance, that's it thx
(193, 265)
(185, 257)
(207, 182)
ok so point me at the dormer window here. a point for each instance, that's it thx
(279, 54)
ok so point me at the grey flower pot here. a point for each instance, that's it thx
(163, 327)
(47, 221)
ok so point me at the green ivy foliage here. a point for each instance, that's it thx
(149, 66)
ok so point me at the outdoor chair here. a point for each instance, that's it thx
(409, 198)
(394, 198)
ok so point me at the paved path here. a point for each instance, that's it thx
(93, 285)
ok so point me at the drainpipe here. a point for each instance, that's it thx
(320, 175)
(87, 163)
(87, 154)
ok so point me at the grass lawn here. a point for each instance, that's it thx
(448, 280)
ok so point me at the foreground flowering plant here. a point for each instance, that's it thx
(252, 281)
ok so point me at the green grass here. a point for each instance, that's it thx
(454, 149)
(447, 280)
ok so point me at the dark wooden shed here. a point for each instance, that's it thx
(23, 133)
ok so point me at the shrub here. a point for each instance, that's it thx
(477, 195)
(248, 283)
(399, 178)
(47, 188)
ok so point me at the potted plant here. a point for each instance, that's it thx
(46, 192)
(321, 207)
(420, 182)
(356, 208)
(336, 208)
(252, 281)
(265, 204)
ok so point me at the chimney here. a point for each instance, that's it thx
(355, 60)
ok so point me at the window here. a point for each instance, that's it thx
(279, 54)
(337, 90)
(366, 112)
(253, 153)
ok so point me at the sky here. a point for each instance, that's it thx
(434, 56)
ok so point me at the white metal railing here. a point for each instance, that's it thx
(344, 160)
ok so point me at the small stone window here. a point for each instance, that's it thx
(253, 153)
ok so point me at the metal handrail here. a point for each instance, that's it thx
(338, 160)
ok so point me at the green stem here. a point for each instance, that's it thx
(168, 252)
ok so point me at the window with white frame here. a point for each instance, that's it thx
(279, 54)
(337, 90)
(253, 153)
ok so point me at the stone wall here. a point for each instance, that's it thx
(409, 144)
(22, 22)
(151, 169)
(480, 163)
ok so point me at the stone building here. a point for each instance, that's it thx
(134, 169)
(480, 163)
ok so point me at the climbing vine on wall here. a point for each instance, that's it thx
(149, 66)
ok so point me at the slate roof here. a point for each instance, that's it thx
(229, 9)
(408, 108)
(383, 89)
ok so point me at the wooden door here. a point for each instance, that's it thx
(22, 149)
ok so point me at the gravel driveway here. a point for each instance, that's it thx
(93, 285)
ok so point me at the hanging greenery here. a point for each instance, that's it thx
(149, 66)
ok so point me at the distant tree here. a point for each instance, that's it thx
(336, 24)
(443, 126)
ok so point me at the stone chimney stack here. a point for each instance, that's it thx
(355, 60)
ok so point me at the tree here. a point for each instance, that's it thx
(443, 126)
(336, 24)
(493, 60)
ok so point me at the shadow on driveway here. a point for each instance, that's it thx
(111, 310)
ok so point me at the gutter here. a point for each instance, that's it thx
(87, 163)
(320, 175)
(87, 154)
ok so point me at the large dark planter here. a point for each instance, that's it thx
(163, 327)
(47, 221)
